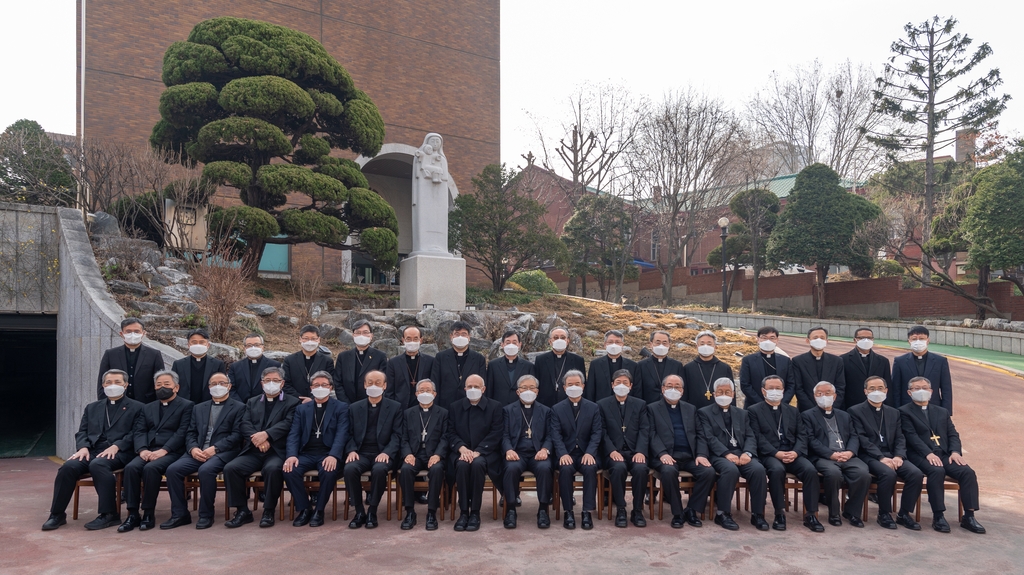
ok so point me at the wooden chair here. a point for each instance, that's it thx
(604, 491)
(364, 484)
(949, 485)
(576, 484)
(255, 483)
(420, 483)
(86, 481)
(686, 485)
(488, 484)
(192, 485)
(873, 488)
(527, 482)
(310, 480)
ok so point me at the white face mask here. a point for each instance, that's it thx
(474, 394)
(528, 397)
(574, 391)
(361, 340)
(672, 394)
(723, 400)
(460, 341)
(818, 344)
(865, 344)
(921, 395)
(773, 395)
(310, 346)
(559, 345)
(876, 396)
(271, 387)
(320, 392)
(613, 349)
(374, 391)
(412, 346)
(919, 345)
(253, 352)
(766, 346)
(133, 338)
(621, 390)
(660, 350)
(511, 349)
(825, 401)
(198, 349)
(425, 398)
(706, 350)
(113, 391)
(218, 391)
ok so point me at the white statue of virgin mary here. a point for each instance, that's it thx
(430, 199)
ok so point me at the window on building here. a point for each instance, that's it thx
(708, 271)
(276, 259)
(694, 272)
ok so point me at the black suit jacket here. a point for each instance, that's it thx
(599, 380)
(122, 424)
(499, 388)
(853, 370)
(805, 377)
(296, 380)
(696, 389)
(227, 432)
(763, 421)
(636, 438)
(542, 426)
(753, 370)
(349, 372)
(278, 427)
(183, 368)
(450, 383)
(936, 369)
(241, 388)
(437, 431)
(649, 382)
(151, 433)
(549, 375)
(892, 428)
(334, 428)
(390, 427)
(400, 388)
(918, 426)
(712, 427)
(149, 362)
(584, 432)
(816, 432)
(663, 435)
(483, 436)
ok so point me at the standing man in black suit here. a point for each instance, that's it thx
(922, 363)
(551, 366)
(653, 370)
(816, 366)
(833, 444)
(299, 366)
(213, 439)
(133, 358)
(765, 362)
(104, 440)
(245, 374)
(884, 449)
(195, 369)
(353, 365)
(404, 371)
(453, 365)
(934, 446)
(424, 446)
(527, 444)
(599, 380)
(860, 364)
(374, 441)
(476, 425)
(266, 423)
(503, 373)
(577, 434)
(159, 440)
(627, 430)
(701, 374)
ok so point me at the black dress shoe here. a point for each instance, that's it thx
(569, 521)
(421, 498)
(939, 524)
(268, 518)
(358, 521)
(757, 520)
(204, 523)
(302, 518)
(678, 522)
(971, 524)
(473, 523)
(691, 517)
(371, 520)
(131, 522)
(885, 520)
(103, 521)
(637, 517)
(620, 518)
(543, 521)
(811, 522)
(148, 521)
(462, 521)
(510, 519)
(587, 522)
(317, 519)
(726, 521)
(907, 521)
(780, 522)
(854, 520)
(873, 497)
(242, 516)
(177, 522)
(835, 520)
(54, 521)
(410, 520)
(431, 520)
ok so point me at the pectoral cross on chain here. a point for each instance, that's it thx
(623, 429)
(707, 394)
(934, 438)
(423, 435)
(318, 434)
(839, 442)
(529, 433)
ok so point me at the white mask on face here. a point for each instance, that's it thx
(766, 346)
(374, 391)
(425, 398)
(919, 345)
(271, 387)
(198, 349)
(511, 349)
(818, 344)
(773, 395)
(621, 390)
(528, 397)
(320, 392)
(723, 400)
(253, 352)
(876, 396)
(460, 341)
(613, 349)
(218, 391)
(559, 345)
(361, 340)
(310, 346)
(474, 394)
(921, 394)
(865, 344)
(412, 346)
(706, 350)
(133, 338)
(672, 394)
(113, 391)
(825, 401)
(660, 350)
(574, 391)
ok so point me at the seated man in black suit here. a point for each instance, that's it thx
(374, 440)
(578, 430)
(475, 449)
(138, 360)
(527, 444)
(299, 366)
(551, 366)
(654, 369)
(453, 365)
(424, 446)
(104, 441)
(317, 441)
(195, 369)
(353, 365)
(763, 363)
(625, 446)
(159, 441)
(245, 373)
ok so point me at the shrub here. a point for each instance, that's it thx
(534, 281)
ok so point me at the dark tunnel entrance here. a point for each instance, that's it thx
(28, 385)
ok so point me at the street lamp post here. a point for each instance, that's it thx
(723, 222)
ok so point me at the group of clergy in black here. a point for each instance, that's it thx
(454, 419)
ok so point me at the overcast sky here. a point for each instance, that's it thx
(550, 47)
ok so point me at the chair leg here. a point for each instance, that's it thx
(74, 509)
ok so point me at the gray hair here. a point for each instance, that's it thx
(706, 332)
(433, 386)
(527, 377)
(919, 378)
(771, 377)
(163, 372)
(124, 375)
(574, 373)
(614, 332)
(322, 373)
(556, 328)
(724, 382)
(821, 383)
(665, 379)
(226, 376)
(269, 370)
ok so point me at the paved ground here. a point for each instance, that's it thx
(988, 406)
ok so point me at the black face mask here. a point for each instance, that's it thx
(163, 393)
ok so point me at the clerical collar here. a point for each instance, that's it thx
(460, 353)
(164, 403)
(114, 401)
(767, 354)
(255, 360)
(270, 399)
(879, 408)
(130, 350)
(818, 358)
(622, 402)
(673, 405)
(829, 413)
(513, 360)
(557, 354)
(215, 402)
(864, 355)
(725, 409)
(924, 408)
(774, 407)
(425, 409)
(200, 358)
(574, 402)
(660, 359)
(527, 405)
(374, 404)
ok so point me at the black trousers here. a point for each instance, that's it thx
(208, 471)
(378, 480)
(936, 475)
(102, 471)
(858, 479)
(885, 479)
(469, 482)
(617, 471)
(729, 475)
(541, 469)
(407, 479)
(149, 473)
(238, 470)
(704, 480)
(804, 471)
(567, 475)
(297, 485)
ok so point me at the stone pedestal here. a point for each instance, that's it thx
(435, 280)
